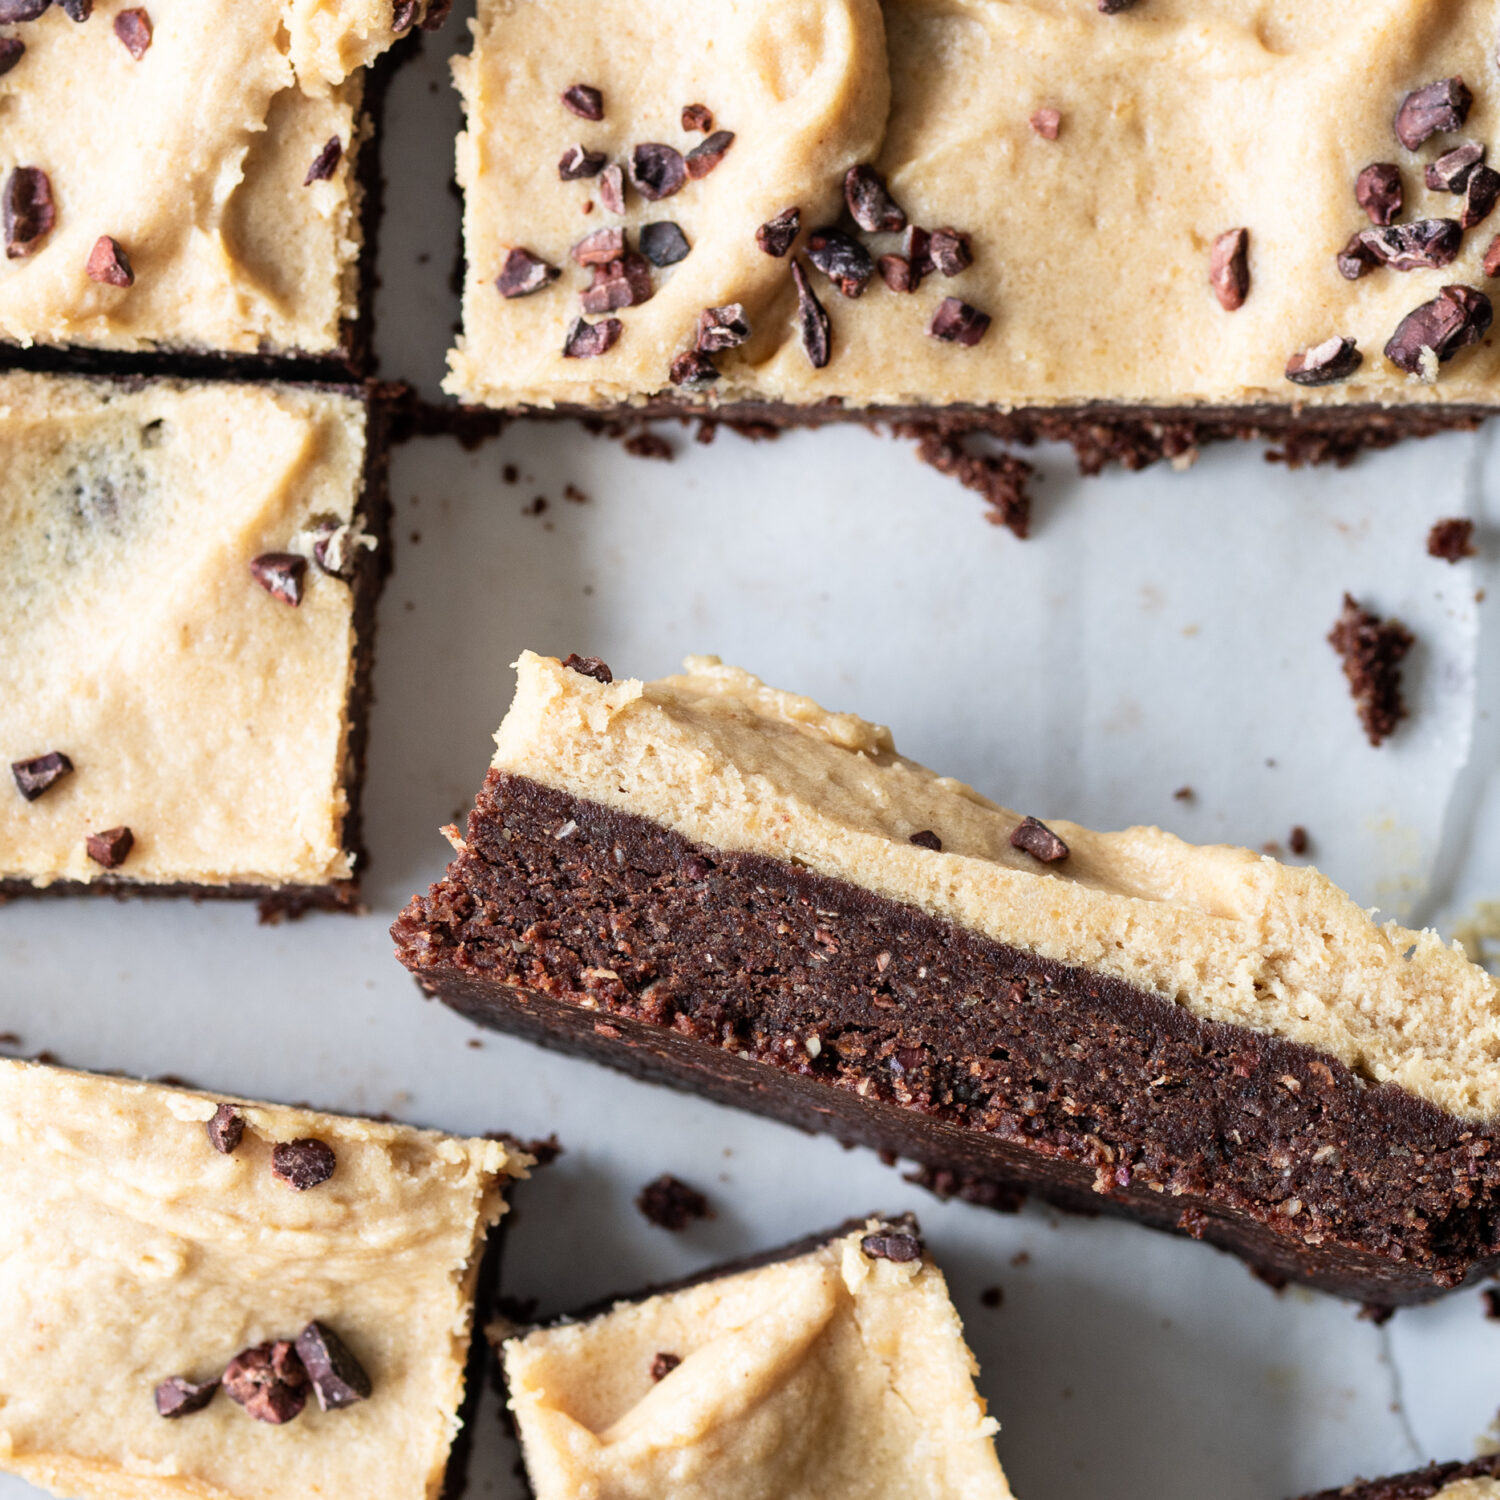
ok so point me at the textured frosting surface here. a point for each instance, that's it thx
(720, 758)
(197, 710)
(829, 1374)
(1091, 250)
(1471, 1489)
(131, 1250)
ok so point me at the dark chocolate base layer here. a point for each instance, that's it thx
(760, 984)
(1420, 1484)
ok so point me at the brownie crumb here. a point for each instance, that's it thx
(986, 1192)
(1377, 190)
(176, 1397)
(1229, 268)
(664, 243)
(109, 264)
(926, 839)
(536, 506)
(1377, 1313)
(1492, 1303)
(326, 162)
(1001, 478)
(338, 1379)
(1430, 335)
(510, 474)
(585, 101)
(1039, 841)
(133, 27)
(1451, 539)
(775, 236)
(1184, 794)
(658, 171)
(813, 324)
(34, 776)
(589, 666)
(281, 575)
(268, 1381)
(12, 50)
(1431, 110)
(578, 162)
(670, 1203)
(302, 1164)
(890, 1245)
(1452, 169)
(573, 493)
(956, 322)
(842, 259)
(524, 273)
(870, 203)
(702, 159)
(1372, 650)
(991, 1296)
(649, 445)
(29, 211)
(697, 117)
(1046, 123)
(663, 1365)
(111, 848)
(1297, 840)
(226, 1129)
(1334, 359)
(589, 340)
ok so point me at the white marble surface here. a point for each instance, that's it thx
(1159, 630)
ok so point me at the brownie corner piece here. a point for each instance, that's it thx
(1477, 1480)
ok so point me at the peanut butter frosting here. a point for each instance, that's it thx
(1471, 1489)
(833, 1373)
(1237, 937)
(1094, 162)
(195, 707)
(132, 1250)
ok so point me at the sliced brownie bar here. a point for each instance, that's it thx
(714, 884)
(1479, 1480)
(189, 574)
(832, 1368)
(201, 1296)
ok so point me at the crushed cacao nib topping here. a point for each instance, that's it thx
(177, 1397)
(1433, 333)
(671, 1204)
(1452, 540)
(658, 171)
(611, 188)
(326, 162)
(870, 203)
(1229, 268)
(34, 776)
(524, 273)
(620, 283)
(578, 162)
(947, 251)
(775, 236)
(1423, 245)
(1450, 171)
(1114, 7)
(338, 1379)
(29, 211)
(1377, 190)
(1039, 841)
(1356, 259)
(896, 272)
(600, 247)
(589, 666)
(664, 243)
(437, 13)
(1431, 110)
(697, 117)
(403, 16)
(111, 848)
(1492, 258)
(1046, 123)
(694, 369)
(589, 340)
(133, 28)
(304, 1163)
(916, 247)
(76, 10)
(12, 11)
(956, 322)
(721, 328)
(842, 259)
(813, 325)
(1372, 650)
(12, 50)
(926, 839)
(109, 264)
(1334, 359)
(226, 1129)
(663, 1365)
(268, 1381)
(281, 575)
(335, 547)
(1480, 195)
(704, 157)
(889, 1245)
(585, 101)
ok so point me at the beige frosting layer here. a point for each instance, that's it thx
(194, 159)
(1179, 121)
(131, 1250)
(1471, 1489)
(1233, 936)
(830, 1374)
(197, 710)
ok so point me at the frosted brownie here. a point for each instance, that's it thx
(209, 1297)
(1479, 1480)
(711, 883)
(836, 1368)
(1036, 218)
(151, 224)
(186, 623)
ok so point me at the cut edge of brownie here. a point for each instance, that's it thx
(1418, 1484)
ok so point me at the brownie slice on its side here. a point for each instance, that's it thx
(710, 883)
(1479, 1480)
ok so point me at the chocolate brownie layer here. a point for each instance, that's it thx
(1478, 1480)
(819, 1002)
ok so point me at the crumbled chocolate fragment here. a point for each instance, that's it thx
(12, 11)
(1372, 650)
(870, 203)
(268, 1381)
(1184, 794)
(1297, 840)
(1229, 268)
(664, 243)
(12, 50)
(991, 1297)
(892, 1246)
(1480, 195)
(611, 188)
(281, 575)
(1422, 245)
(1433, 333)
(1492, 1303)
(1001, 478)
(1452, 539)
(110, 848)
(108, 263)
(1356, 258)
(1046, 123)
(721, 328)
(926, 839)
(303, 1163)
(1432, 109)
(663, 1365)
(577, 161)
(600, 247)
(671, 1204)
(1492, 258)
(589, 666)
(775, 236)
(76, 10)
(34, 776)
(842, 259)
(176, 1397)
(1334, 359)
(658, 171)
(956, 322)
(226, 1129)
(691, 368)
(133, 28)
(649, 445)
(403, 16)
(1377, 190)
(703, 158)
(338, 1379)
(29, 211)
(895, 271)
(585, 101)
(620, 283)
(1039, 841)
(589, 340)
(813, 325)
(697, 117)
(524, 273)
(1451, 170)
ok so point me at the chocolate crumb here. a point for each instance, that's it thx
(1452, 540)
(1423, 245)
(1297, 840)
(303, 1163)
(326, 162)
(585, 101)
(1435, 108)
(268, 1381)
(842, 259)
(510, 474)
(1451, 170)
(1372, 650)
(658, 171)
(1492, 258)
(870, 203)
(1480, 196)
(1334, 359)
(671, 1204)
(577, 161)
(12, 50)
(1356, 258)
(620, 283)
(524, 273)
(721, 328)
(663, 1365)
(29, 212)
(775, 236)
(176, 1397)
(1492, 1303)
(1229, 268)
(34, 776)
(589, 666)
(649, 445)
(697, 117)
(956, 322)
(133, 27)
(703, 158)
(1046, 123)
(589, 340)
(1039, 841)
(226, 1129)
(1001, 478)
(1377, 190)
(600, 247)
(926, 839)
(536, 506)
(108, 263)
(813, 325)
(895, 271)
(691, 369)
(1378, 1313)
(664, 243)
(947, 251)
(991, 1296)
(338, 1379)
(281, 575)
(1433, 333)
(1184, 794)
(110, 848)
(890, 1245)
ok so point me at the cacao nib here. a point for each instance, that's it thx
(1433, 333)
(956, 322)
(895, 271)
(589, 340)
(12, 50)
(34, 776)
(663, 1365)
(775, 236)
(600, 247)
(29, 212)
(947, 251)
(721, 328)
(176, 1397)
(1039, 841)
(109, 264)
(1480, 194)
(524, 273)
(1436, 107)
(304, 1163)
(281, 575)
(870, 203)
(133, 28)
(1492, 258)
(1377, 190)
(612, 189)
(842, 259)
(1423, 245)
(589, 666)
(1450, 171)
(813, 325)
(111, 848)
(1229, 268)
(657, 171)
(892, 1246)
(926, 839)
(664, 243)
(585, 101)
(12, 11)
(694, 369)
(325, 163)
(226, 1129)
(1334, 359)
(268, 1381)
(703, 158)
(697, 117)
(338, 1379)
(578, 162)
(1046, 123)
(620, 283)
(1356, 258)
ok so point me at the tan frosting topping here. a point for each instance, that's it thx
(1233, 936)
(197, 710)
(1178, 122)
(131, 1250)
(829, 1374)
(1471, 1489)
